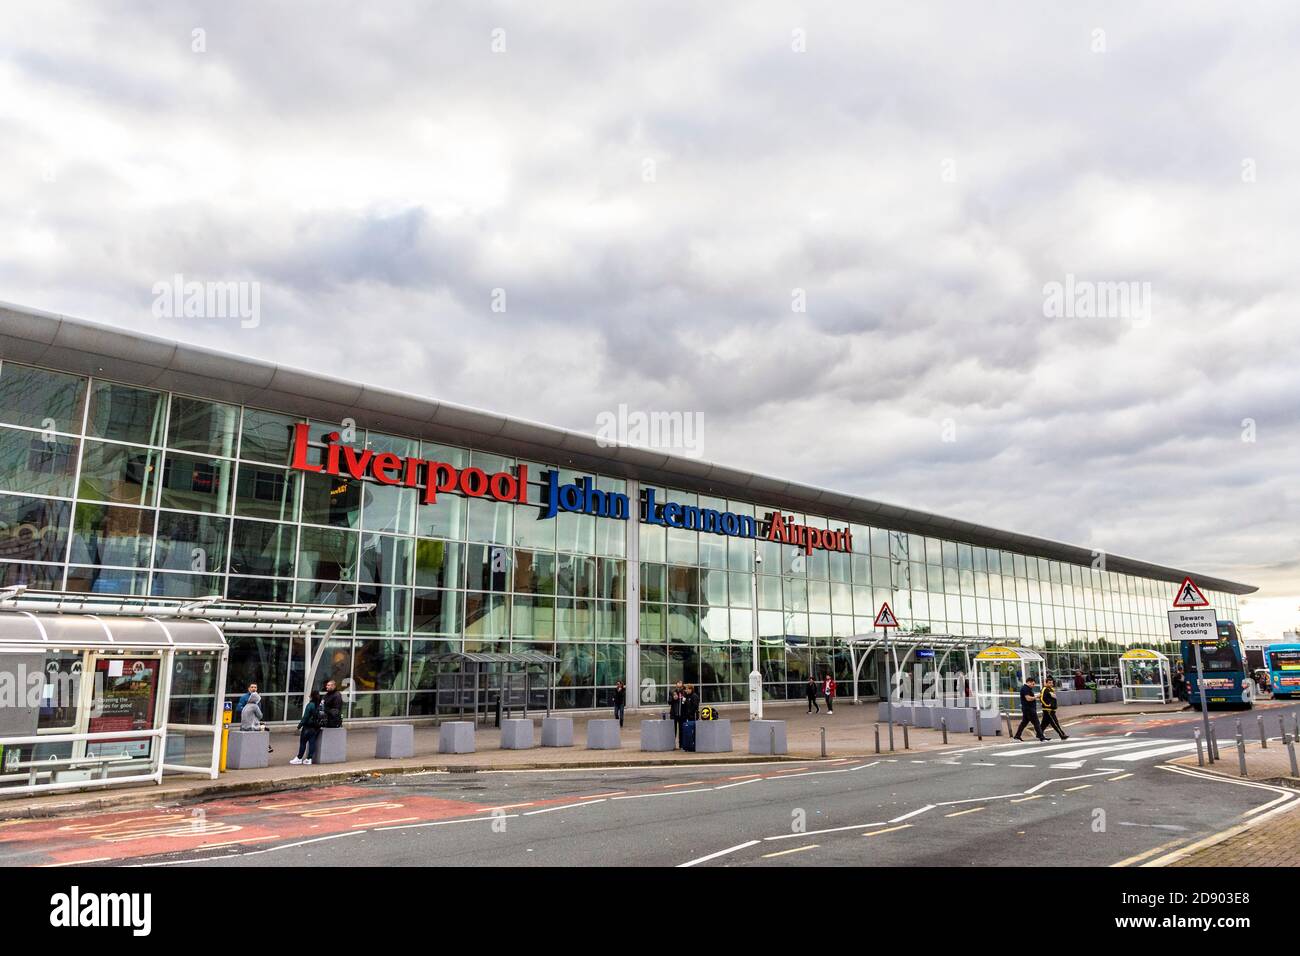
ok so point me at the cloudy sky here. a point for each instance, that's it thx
(657, 187)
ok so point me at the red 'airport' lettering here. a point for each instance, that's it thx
(433, 477)
(786, 531)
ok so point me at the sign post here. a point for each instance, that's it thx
(226, 713)
(885, 620)
(1186, 624)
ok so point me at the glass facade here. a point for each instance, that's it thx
(117, 489)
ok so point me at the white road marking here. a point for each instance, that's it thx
(567, 806)
(795, 836)
(1075, 765)
(914, 813)
(1155, 752)
(273, 849)
(798, 849)
(739, 783)
(713, 856)
(661, 793)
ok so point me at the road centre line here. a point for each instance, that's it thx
(905, 826)
(662, 793)
(566, 806)
(962, 813)
(856, 826)
(798, 849)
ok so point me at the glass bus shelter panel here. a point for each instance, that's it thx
(1145, 681)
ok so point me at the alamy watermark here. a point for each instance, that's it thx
(178, 299)
(1084, 299)
(680, 432)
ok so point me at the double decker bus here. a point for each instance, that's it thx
(1283, 663)
(1227, 684)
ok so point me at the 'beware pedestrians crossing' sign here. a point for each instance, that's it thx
(1199, 624)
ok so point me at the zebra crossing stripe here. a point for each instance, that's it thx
(1074, 750)
(1157, 752)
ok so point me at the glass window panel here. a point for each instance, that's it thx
(435, 612)
(612, 581)
(486, 615)
(259, 589)
(194, 543)
(393, 444)
(683, 585)
(713, 588)
(533, 617)
(575, 532)
(328, 554)
(119, 474)
(432, 451)
(740, 589)
(438, 564)
(534, 572)
(106, 581)
(653, 544)
(33, 529)
(652, 624)
(611, 536)
(185, 585)
(385, 560)
(31, 464)
(206, 427)
(259, 547)
(266, 436)
(379, 665)
(326, 592)
(489, 521)
(112, 535)
(123, 413)
(445, 518)
(388, 508)
(391, 613)
(610, 620)
(534, 531)
(39, 577)
(488, 568)
(575, 576)
(330, 500)
(262, 492)
(611, 663)
(196, 484)
(683, 546)
(35, 398)
(574, 620)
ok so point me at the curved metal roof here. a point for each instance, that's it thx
(78, 631)
(59, 342)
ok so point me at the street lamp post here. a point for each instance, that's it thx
(755, 677)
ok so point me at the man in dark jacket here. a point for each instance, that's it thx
(332, 704)
(691, 703)
(676, 700)
(811, 691)
(1049, 709)
(1029, 708)
(620, 701)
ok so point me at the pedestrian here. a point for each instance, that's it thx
(309, 730)
(1049, 709)
(620, 701)
(243, 700)
(1029, 709)
(676, 700)
(332, 704)
(828, 691)
(691, 703)
(1078, 679)
(811, 691)
(250, 718)
(1179, 683)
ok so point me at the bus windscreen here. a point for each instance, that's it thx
(1219, 656)
(1284, 660)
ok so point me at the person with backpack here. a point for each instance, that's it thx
(828, 691)
(309, 730)
(811, 691)
(332, 704)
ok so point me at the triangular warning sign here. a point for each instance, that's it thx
(886, 617)
(1189, 595)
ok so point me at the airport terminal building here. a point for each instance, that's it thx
(131, 465)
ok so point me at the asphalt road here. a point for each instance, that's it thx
(1101, 798)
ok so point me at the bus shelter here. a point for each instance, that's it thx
(98, 690)
(1144, 676)
(999, 673)
(932, 652)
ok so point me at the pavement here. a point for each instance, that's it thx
(1274, 841)
(850, 731)
(1106, 796)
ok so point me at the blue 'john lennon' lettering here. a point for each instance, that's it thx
(583, 497)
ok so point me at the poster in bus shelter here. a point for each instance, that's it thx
(125, 692)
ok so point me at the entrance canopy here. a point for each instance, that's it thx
(23, 630)
(1144, 676)
(1000, 670)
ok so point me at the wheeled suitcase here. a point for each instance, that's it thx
(688, 735)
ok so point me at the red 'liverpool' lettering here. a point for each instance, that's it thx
(388, 468)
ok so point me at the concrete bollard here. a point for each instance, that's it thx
(823, 741)
(943, 724)
(877, 738)
(1241, 750)
(1290, 752)
(907, 745)
(1200, 754)
(1007, 718)
(1263, 735)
